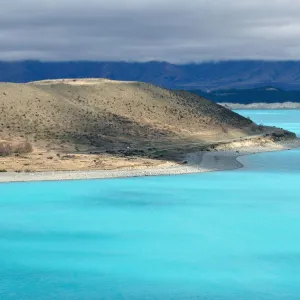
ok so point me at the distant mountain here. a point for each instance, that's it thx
(249, 96)
(204, 76)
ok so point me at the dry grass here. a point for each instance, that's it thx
(45, 161)
(9, 148)
(67, 120)
(107, 114)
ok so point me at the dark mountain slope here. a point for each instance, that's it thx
(248, 96)
(204, 76)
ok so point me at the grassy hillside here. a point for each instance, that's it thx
(107, 114)
(94, 124)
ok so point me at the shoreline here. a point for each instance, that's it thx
(198, 162)
(262, 106)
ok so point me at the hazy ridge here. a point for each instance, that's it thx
(205, 76)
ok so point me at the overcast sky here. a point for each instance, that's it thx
(141, 30)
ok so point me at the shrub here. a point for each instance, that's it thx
(8, 148)
(23, 147)
(5, 149)
(261, 127)
(224, 129)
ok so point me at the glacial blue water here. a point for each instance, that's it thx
(287, 119)
(214, 236)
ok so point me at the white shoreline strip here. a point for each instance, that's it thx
(197, 163)
(262, 105)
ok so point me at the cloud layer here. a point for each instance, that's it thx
(141, 30)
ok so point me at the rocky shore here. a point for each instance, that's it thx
(224, 158)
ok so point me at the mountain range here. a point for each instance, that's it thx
(205, 76)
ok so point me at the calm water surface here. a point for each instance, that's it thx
(224, 235)
(287, 119)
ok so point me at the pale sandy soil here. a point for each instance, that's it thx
(167, 155)
(40, 161)
(196, 163)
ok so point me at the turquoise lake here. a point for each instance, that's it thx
(214, 236)
(287, 119)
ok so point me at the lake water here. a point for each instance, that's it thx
(287, 119)
(214, 236)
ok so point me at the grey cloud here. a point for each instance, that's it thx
(175, 31)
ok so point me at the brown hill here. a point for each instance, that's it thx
(111, 116)
(105, 113)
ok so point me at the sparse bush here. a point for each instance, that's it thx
(224, 129)
(23, 147)
(253, 127)
(5, 149)
(68, 157)
(261, 127)
(9, 148)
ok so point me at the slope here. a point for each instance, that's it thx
(103, 124)
(105, 113)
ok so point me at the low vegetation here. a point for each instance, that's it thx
(9, 148)
(89, 124)
(99, 113)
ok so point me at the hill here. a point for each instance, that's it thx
(100, 112)
(112, 117)
(204, 76)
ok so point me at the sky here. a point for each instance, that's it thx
(142, 30)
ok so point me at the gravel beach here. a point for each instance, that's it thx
(196, 163)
